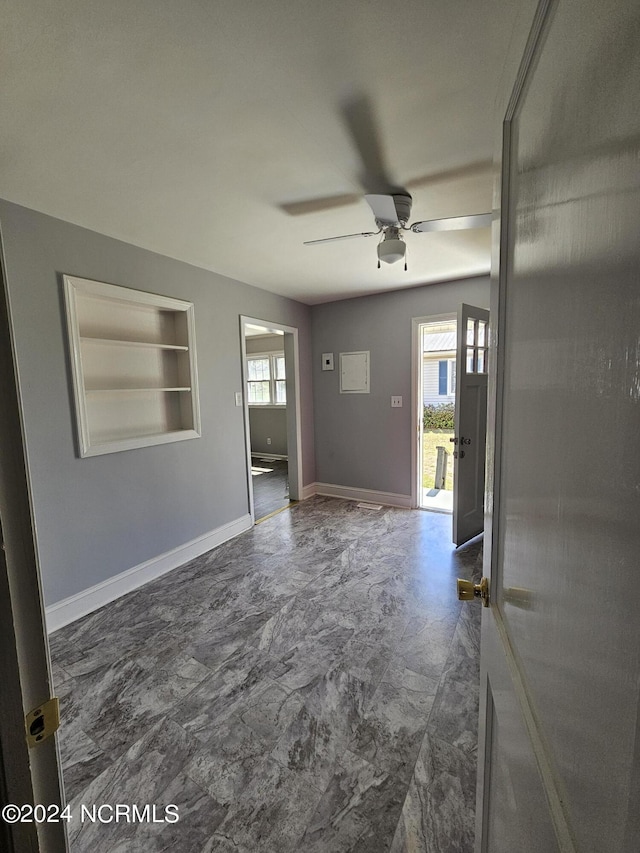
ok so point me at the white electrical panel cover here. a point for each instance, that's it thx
(354, 372)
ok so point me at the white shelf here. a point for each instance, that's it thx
(128, 390)
(126, 343)
(134, 367)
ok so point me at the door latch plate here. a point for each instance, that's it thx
(43, 721)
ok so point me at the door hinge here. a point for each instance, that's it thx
(43, 721)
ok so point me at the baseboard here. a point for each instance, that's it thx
(308, 491)
(369, 495)
(268, 455)
(69, 609)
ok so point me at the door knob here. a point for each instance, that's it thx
(467, 590)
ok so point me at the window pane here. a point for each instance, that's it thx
(258, 369)
(470, 360)
(259, 392)
(482, 329)
(281, 391)
(471, 328)
(279, 367)
(452, 376)
(482, 366)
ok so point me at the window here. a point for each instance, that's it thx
(266, 384)
(447, 377)
(477, 342)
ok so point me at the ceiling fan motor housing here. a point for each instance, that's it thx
(403, 203)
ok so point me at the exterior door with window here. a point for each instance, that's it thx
(470, 423)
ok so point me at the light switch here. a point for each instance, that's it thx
(327, 361)
(396, 402)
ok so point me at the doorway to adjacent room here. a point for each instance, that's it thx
(270, 397)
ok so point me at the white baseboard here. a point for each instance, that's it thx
(368, 495)
(268, 455)
(308, 491)
(69, 609)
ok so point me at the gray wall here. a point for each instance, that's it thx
(360, 440)
(268, 343)
(268, 423)
(99, 516)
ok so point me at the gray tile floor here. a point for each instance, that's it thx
(311, 685)
(270, 479)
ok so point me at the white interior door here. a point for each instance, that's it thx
(470, 423)
(28, 776)
(559, 750)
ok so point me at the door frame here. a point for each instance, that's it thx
(294, 415)
(493, 626)
(416, 399)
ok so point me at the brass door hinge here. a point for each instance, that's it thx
(43, 721)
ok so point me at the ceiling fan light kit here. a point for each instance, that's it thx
(391, 212)
(391, 248)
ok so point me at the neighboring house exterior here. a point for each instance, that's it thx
(439, 367)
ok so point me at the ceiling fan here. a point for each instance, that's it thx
(392, 212)
(389, 202)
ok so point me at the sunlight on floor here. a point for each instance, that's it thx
(440, 500)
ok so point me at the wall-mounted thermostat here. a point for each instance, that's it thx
(327, 361)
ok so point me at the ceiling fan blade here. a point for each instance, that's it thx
(453, 223)
(315, 205)
(383, 207)
(478, 169)
(359, 116)
(342, 237)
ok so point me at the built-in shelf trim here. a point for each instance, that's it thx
(100, 410)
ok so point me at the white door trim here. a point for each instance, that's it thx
(294, 415)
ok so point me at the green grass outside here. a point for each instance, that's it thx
(430, 440)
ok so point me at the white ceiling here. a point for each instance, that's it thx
(192, 127)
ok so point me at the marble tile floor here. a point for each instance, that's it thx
(311, 685)
(270, 480)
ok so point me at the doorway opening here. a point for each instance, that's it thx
(270, 395)
(436, 395)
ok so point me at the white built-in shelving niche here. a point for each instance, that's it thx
(133, 361)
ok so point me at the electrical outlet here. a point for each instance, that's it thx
(268, 441)
(238, 398)
(396, 402)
